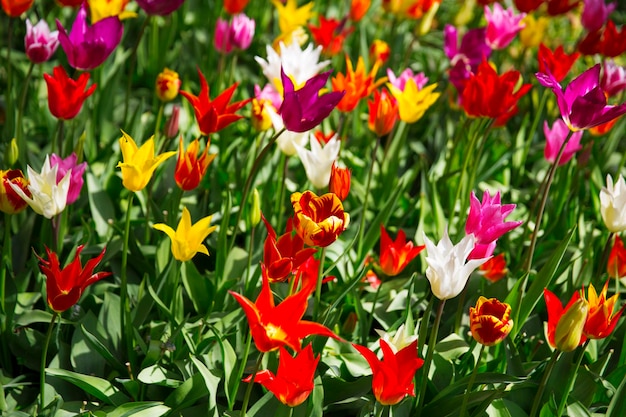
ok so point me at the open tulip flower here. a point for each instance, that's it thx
(293, 382)
(565, 325)
(395, 255)
(412, 101)
(76, 171)
(273, 326)
(214, 115)
(556, 137)
(616, 266)
(318, 161)
(583, 104)
(10, 201)
(65, 286)
(383, 113)
(304, 108)
(66, 96)
(494, 269)
(357, 84)
(490, 321)
(502, 25)
(319, 220)
(87, 47)
(393, 375)
(557, 62)
(190, 168)
(139, 164)
(601, 319)
(187, 238)
(613, 204)
(40, 44)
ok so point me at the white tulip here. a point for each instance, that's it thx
(318, 161)
(613, 204)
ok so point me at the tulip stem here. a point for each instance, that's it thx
(19, 131)
(44, 359)
(544, 380)
(318, 288)
(605, 256)
(429, 356)
(9, 94)
(251, 176)
(131, 70)
(471, 381)
(246, 398)
(242, 366)
(572, 379)
(366, 199)
(284, 160)
(59, 136)
(157, 125)
(124, 306)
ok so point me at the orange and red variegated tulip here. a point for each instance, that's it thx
(393, 375)
(487, 94)
(273, 326)
(10, 201)
(616, 266)
(494, 269)
(379, 51)
(357, 84)
(294, 379)
(65, 286)
(318, 220)
(565, 325)
(340, 181)
(14, 8)
(601, 319)
(214, 115)
(284, 254)
(358, 9)
(167, 85)
(396, 255)
(235, 6)
(490, 321)
(383, 113)
(190, 168)
(557, 62)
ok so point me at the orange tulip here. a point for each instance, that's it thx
(383, 113)
(189, 168)
(494, 269)
(396, 255)
(358, 8)
(616, 267)
(318, 220)
(14, 8)
(340, 181)
(490, 321)
(565, 325)
(356, 83)
(600, 320)
(330, 34)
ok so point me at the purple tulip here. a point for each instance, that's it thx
(583, 103)
(305, 108)
(555, 138)
(222, 41)
(160, 7)
(595, 14)
(87, 47)
(39, 42)
(464, 59)
(242, 31)
(486, 222)
(76, 177)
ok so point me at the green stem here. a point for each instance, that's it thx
(605, 256)
(542, 384)
(7, 260)
(44, 359)
(279, 208)
(242, 366)
(378, 409)
(246, 398)
(318, 288)
(157, 126)
(366, 199)
(249, 265)
(429, 356)
(19, 131)
(59, 136)
(125, 307)
(571, 379)
(131, 70)
(9, 94)
(471, 382)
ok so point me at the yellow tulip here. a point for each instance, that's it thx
(413, 102)
(187, 239)
(139, 163)
(101, 9)
(290, 16)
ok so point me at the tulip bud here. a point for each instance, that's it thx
(171, 126)
(254, 215)
(167, 85)
(340, 181)
(569, 329)
(13, 153)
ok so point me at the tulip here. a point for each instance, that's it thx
(583, 104)
(565, 325)
(466, 57)
(66, 96)
(160, 7)
(494, 269)
(101, 9)
(65, 286)
(10, 201)
(601, 320)
(502, 25)
(393, 375)
(221, 39)
(47, 196)
(595, 14)
(613, 204)
(139, 164)
(490, 321)
(214, 115)
(294, 380)
(401, 338)
(400, 82)
(379, 51)
(235, 6)
(76, 171)
(318, 220)
(486, 222)
(358, 9)
(189, 168)
(613, 79)
(290, 16)
(39, 43)
(534, 30)
(87, 47)
(339, 181)
(383, 113)
(273, 326)
(167, 85)
(171, 125)
(413, 102)
(187, 238)
(395, 255)
(357, 84)
(556, 137)
(448, 271)
(241, 31)
(305, 108)
(288, 140)
(616, 265)
(330, 34)
(319, 160)
(261, 120)
(15, 8)
(557, 62)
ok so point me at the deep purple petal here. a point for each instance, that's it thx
(587, 109)
(79, 28)
(548, 80)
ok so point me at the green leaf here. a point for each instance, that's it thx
(102, 350)
(98, 387)
(198, 287)
(617, 407)
(36, 316)
(101, 207)
(140, 409)
(158, 375)
(188, 393)
(211, 381)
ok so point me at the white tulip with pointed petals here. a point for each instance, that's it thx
(613, 204)
(318, 161)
